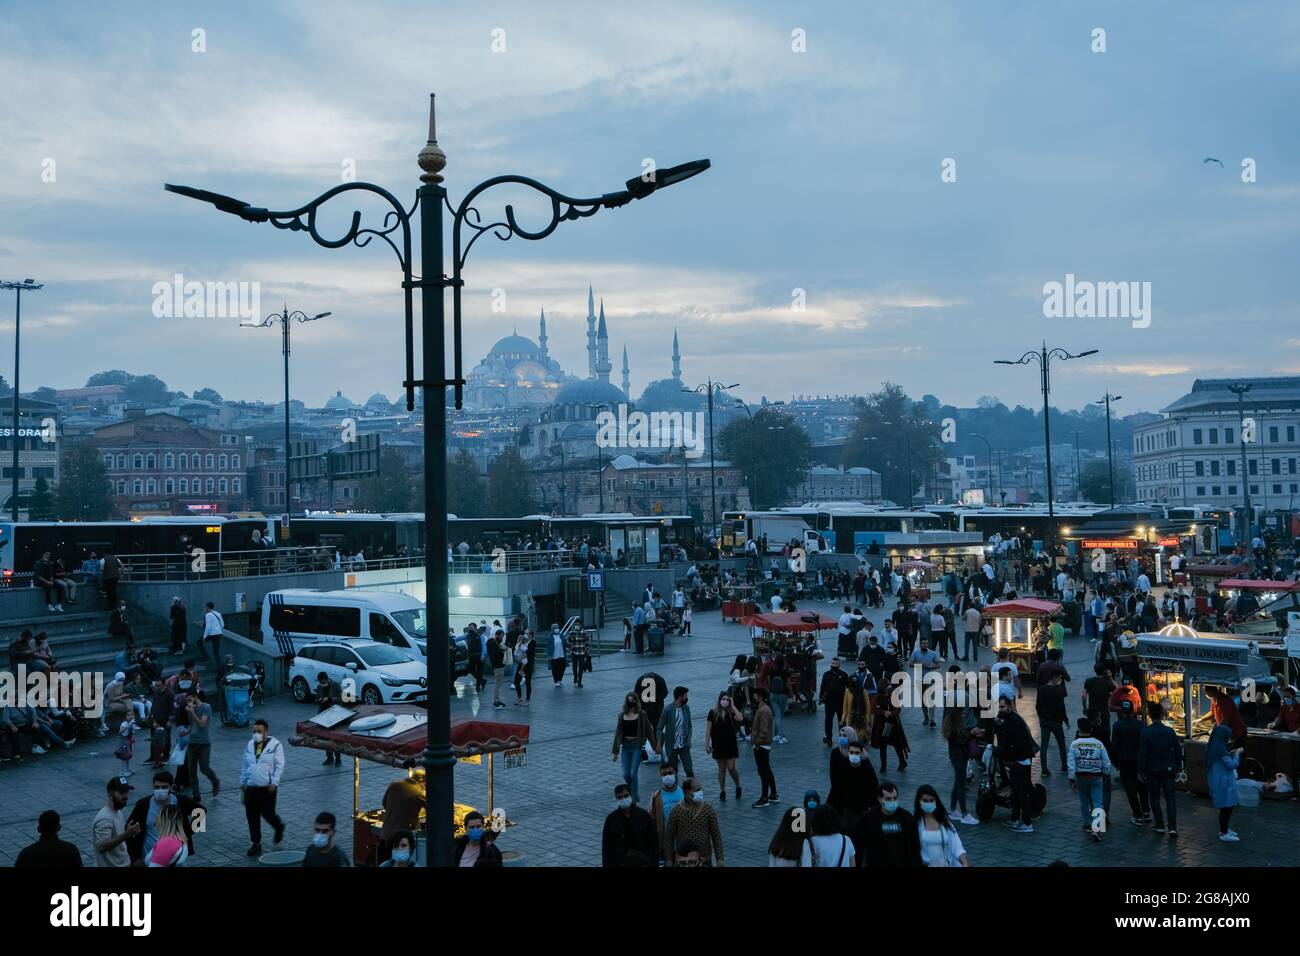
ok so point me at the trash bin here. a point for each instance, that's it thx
(237, 699)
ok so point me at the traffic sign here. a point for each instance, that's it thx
(595, 580)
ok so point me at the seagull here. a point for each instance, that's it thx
(1211, 159)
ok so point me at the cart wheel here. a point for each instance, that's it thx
(984, 806)
(1040, 799)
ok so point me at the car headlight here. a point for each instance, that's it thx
(393, 681)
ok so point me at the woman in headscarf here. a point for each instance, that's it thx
(1221, 764)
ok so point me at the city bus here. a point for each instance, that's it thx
(842, 528)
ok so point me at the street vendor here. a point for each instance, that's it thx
(403, 802)
(1288, 715)
(1225, 712)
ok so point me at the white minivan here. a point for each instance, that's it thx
(297, 616)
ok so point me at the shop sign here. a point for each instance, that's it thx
(517, 757)
(1116, 544)
(1204, 652)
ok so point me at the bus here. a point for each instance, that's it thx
(1013, 521)
(23, 543)
(839, 527)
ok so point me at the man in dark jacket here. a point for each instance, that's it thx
(629, 837)
(1125, 742)
(1160, 758)
(886, 836)
(874, 655)
(835, 684)
(1052, 716)
(474, 650)
(49, 852)
(1016, 747)
(145, 814)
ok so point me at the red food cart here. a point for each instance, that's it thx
(1020, 627)
(782, 632)
(919, 574)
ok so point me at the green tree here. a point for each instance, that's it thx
(508, 493)
(772, 450)
(45, 394)
(115, 376)
(393, 489)
(1094, 483)
(5, 388)
(42, 501)
(464, 486)
(895, 436)
(84, 492)
(208, 395)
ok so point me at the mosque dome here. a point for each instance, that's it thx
(590, 391)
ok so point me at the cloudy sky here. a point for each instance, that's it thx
(827, 178)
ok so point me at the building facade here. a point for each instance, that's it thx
(38, 447)
(827, 483)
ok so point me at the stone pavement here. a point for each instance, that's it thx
(559, 800)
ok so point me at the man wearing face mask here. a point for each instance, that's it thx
(887, 834)
(854, 786)
(478, 846)
(259, 781)
(1016, 747)
(835, 684)
(324, 852)
(145, 815)
(629, 837)
(669, 794)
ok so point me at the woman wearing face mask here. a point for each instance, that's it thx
(940, 844)
(695, 822)
(786, 847)
(403, 850)
(887, 731)
(827, 845)
(720, 742)
(630, 736)
(954, 731)
(853, 779)
(478, 846)
(739, 684)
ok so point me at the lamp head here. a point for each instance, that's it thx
(236, 207)
(639, 187)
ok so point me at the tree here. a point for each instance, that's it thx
(508, 493)
(45, 394)
(208, 395)
(41, 507)
(116, 376)
(147, 390)
(393, 489)
(5, 387)
(84, 492)
(894, 436)
(772, 450)
(464, 486)
(1094, 483)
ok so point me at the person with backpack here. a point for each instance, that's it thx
(1016, 747)
(214, 625)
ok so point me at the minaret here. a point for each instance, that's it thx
(541, 336)
(677, 360)
(603, 365)
(627, 381)
(591, 334)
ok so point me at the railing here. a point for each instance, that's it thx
(502, 562)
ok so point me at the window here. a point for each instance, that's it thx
(1232, 489)
(1214, 469)
(1227, 436)
(1232, 467)
(169, 461)
(1290, 434)
(108, 461)
(1277, 489)
(184, 462)
(121, 486)
(234, 462)
(209, 486)
(234, 485)
(1254, 466)
(121, 462)
(137, 487)
(1215, 490)
(1196, 436)
(138, 462)
(1200, 469)
(210, 461)
(185, 486)
(1272, 434)
(311, 619)
(1277, 466)
(221, 486)
(152, 462)
(224, 460)
(1200, 489)
(1290, 466)
(169, 487)
(1214, 436)
(385, 631)
(1254, 489)
(151, 487)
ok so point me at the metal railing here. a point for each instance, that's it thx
(503, 562)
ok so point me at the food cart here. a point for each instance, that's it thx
(738, 601)
(920, 575)
(1176, 665)
(783, 633)
(366, 732)
(1020, 627)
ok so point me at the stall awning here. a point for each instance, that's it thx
(1249, 584)
(789, 621)
(468, 737)
(1213, 570)
(1024, 607)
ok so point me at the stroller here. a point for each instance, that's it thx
(995, 789)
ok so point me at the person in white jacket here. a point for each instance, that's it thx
(259, 782)
(1089, 767)
(940, 843)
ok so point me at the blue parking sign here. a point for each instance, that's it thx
(595, 580)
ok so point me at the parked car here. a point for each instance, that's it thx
(367, 671)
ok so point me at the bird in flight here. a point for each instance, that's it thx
(1211, 159)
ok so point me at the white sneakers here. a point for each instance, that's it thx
(1229, 837)
(969, 820)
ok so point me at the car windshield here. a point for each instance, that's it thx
(412, 622)
(382, 654)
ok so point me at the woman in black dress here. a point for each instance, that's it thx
(887, 731)
(720, 743)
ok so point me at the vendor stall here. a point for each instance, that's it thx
(396, 735)
(920, 575)
(1256, 606)
(785, 633)
(1020, 627)
(738, 601)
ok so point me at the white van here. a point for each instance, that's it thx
(297, 616)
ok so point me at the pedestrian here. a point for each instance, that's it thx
(629, 837)
(1097, 692)
(761, 740)
(172, 847)
(1225, 711)
(669, 794)
(928, 661)
(474, 651)
(854, 785)
(499, 657)
(324, 852)
(1221, 762)
(558, 654)
(146, 814)
(972, 622)
(778, 687)
(403, 854)
(48, 852)
(198, 746)
(1088, 763)
(1016, 748)
(786, 848)
(687, 615)
(939, 841)
(827, 846)
(525, 657)
(887, 731)
(179, 626)
(328, 694)
(887, 835)
(720, 742)
(639, 628)
(477, 846)
(627, 635)
(259, 780)
(957, 734)
(579, 654)
(214, 625)
(1160, 759)
(110, 829)
(674, 731)
(1052, 717)
(835, 684)
(1126, 743)
(631, 734)
(695, 822)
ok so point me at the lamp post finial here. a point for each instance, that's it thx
(432, 159)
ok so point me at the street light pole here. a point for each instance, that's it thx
(27, 285)
(1043, 357)
(989, 445)
(1110, 446)
(710, 387)
(1076, 435)
(439, 759)
(285, 318)
(1240, 391)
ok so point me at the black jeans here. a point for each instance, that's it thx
(832, 714)
(1139, 802)
(476, 671)
(215, 641)
(558, 665)
(763, 761)
(259, 805)
(579, 668)
(524, 675)
(1225, 814)
(1021, 803)
(196, 759)
(1047, 729)
(1159, 784)
(110, 591)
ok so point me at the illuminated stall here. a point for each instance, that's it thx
(1021, 628)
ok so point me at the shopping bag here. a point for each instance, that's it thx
(178, 753)
(650, 751)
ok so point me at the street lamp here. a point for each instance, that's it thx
(711, 387)
(1240, 391)
(600, 458)
(285, 318)
(989, 446)
(1044, 358)
(27, 285)
(395, 231)
(1076, 433)
(753, 453)
(1110, 447)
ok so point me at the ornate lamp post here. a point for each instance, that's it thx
(1110, 446)
(431, 200)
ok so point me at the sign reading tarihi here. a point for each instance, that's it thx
(1205, 652)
